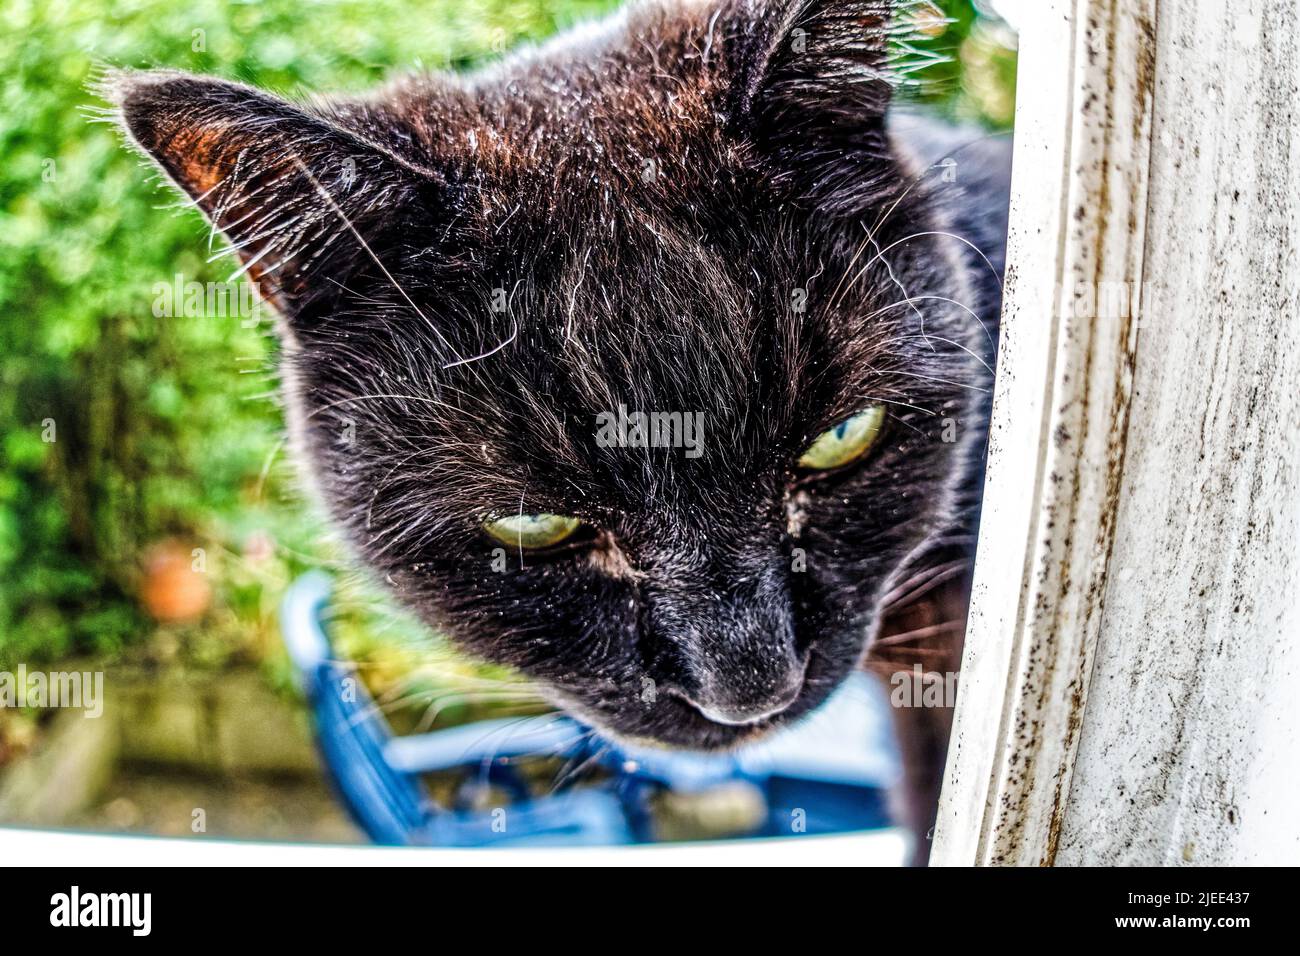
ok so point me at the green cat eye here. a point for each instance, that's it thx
(532, 531)
(846, 442)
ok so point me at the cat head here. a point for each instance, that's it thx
(630, 361)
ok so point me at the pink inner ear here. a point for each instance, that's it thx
(184, 154)
(287, 187)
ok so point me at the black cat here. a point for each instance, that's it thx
(507, 297)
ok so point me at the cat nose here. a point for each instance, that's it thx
(750, 704)
(728, 633)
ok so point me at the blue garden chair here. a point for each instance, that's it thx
(826, 774)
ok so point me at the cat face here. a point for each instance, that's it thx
(638, 362)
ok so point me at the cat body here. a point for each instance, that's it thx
(697, 209)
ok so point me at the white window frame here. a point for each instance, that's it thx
(1130, 684)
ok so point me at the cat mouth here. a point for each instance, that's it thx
(756, 718)
(670, 719)
(727, 720)
(698, 728)
(678, 723)
(671, 722)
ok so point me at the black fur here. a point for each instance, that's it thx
(647, 198)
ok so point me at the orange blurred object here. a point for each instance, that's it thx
(175, 586)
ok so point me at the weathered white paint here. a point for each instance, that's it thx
(1057, 441)
(1130, 691)
(1190, 747)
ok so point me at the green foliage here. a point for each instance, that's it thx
(120, 429)
(967, 60)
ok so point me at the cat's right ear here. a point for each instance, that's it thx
(814, 78)
(303, 201)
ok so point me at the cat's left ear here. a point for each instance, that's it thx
(303, 200)
(814, 76)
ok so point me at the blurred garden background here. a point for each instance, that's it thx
(149, 519)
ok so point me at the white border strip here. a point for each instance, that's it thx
(55, 848)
